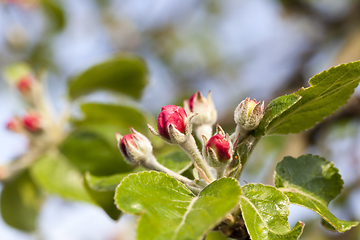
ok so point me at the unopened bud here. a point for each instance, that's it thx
(248, 114)
(24, 84)
(218, 149)
(204, 108)
(220, 146)
(135, 147)
(14, 125)
(173, 124)
(31, 122)
(171, 115)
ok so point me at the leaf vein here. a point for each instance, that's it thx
(188, 209)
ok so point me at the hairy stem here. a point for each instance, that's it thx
(191, 149)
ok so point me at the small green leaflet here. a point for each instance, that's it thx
(169, 210)
(329, 90)
(265, 211)
(312, 182)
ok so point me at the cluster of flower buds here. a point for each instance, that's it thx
(31, 122)
(137, 149)
(175, 126)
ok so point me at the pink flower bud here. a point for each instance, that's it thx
(135, 147)
(220, 146)
(205, 109)
(127, 139)
(248, 114)
(24, 84)
(31, 122)
(171, 115)
(14, 125)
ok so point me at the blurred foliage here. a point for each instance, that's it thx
(193, 56)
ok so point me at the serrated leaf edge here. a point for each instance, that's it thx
(320, 95)
(314, 210)
(188, 210)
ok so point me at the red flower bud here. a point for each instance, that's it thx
(31, 122)
(135, 147)
(13, 125)
(24, 84)
(205, 109)
(130, 140)
(192, 100)
(171, 115)
(220, 146)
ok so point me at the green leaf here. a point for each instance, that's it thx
(265, 211)
(102, 191)
(123, 74)
(119, 117)
(168, 208)
(312, 182)
(273, 110)
(105, 183)
(21, 201)
(56, 175)
(54, 13)
(178, 161)
(329, 90)
(90, 152)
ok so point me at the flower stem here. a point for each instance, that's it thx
(191, 149)
(153, 164)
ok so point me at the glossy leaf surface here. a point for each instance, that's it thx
(168, 208)
(312, 182)
(329, 90)
(265, 211)
(273, 110)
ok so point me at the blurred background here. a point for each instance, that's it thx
(236, 48)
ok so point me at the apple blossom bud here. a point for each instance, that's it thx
(31, 122)
(171, 116)
(220, 146)
(24, 84)
(248, 114)
(14, 125)
(205, 109)
(135, 147)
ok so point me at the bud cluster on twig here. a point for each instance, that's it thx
(37, 124)
(175, 126)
